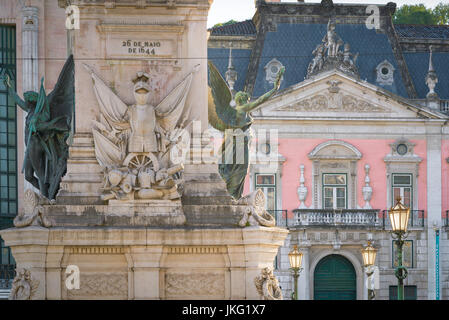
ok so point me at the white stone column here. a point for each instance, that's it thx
(30, 59)
(434, 205)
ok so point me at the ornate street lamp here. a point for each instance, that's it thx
(295, 258)
(399, 215)
(369, 257)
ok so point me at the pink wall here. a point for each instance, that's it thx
(373, 152)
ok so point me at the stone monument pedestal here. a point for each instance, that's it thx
(145, 263)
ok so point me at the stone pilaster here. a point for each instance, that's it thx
(434, 201)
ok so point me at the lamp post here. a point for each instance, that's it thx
(399, 215)
(295, 258)
(369, 257)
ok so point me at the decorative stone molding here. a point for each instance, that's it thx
(23, 286)
(335, 156)
(195, 250)
(334, 102)
(267, 285)
(402, 159)
(302, 190)
(255, 213)
(101, 285)
(272, 69)
(402, 150)
(194, 285)
(385, 73)
(96, 250)
(32, 213)
(335, 149)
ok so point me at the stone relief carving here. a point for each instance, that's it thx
(200, 284)
(32, 213)
(24, 287)
(255, 213)
(328, 56)
(267, 285)
(101, 284)
(138, 146)
(334, 102)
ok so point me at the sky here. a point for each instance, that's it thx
(239, 10)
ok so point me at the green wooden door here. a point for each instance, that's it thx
(335, 279)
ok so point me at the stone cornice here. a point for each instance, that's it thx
(140, 4)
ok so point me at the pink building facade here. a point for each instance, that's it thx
(348, 142)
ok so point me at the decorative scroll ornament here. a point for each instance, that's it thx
(328, 56)
(32, 213)
(138, 146)
(24, 287)
(268, 286)
(255, 214)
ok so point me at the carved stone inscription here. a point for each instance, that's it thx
(126, 47)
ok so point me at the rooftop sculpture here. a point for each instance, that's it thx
(328, 56)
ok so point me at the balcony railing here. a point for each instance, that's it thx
(330, 217)
(7, 274)
(416, 219)
(355, 218)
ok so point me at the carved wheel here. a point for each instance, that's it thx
(141, 160)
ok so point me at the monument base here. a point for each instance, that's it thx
(143, 263)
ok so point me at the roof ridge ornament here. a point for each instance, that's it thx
(327, 55)
(431, 77)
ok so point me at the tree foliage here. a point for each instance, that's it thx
(224, 23)
(420, 14)
(441, 13)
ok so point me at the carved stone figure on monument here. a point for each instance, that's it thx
(32, 213)
(47, 128)
(256, 214)
(23, 286)
(222, 116)
(134, 144)
(268, 286)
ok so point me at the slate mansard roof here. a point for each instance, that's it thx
(289, 32)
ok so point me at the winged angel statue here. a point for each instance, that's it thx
(47, 129)
(138, 146)
(233, 121)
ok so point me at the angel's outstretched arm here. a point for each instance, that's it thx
(252, 105)
(22, 104)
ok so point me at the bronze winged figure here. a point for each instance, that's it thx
(47, 127)
(222, 116)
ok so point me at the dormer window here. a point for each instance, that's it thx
(271, 70)
(385, 73)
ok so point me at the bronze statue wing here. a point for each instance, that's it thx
(221, 115)
(62, 99)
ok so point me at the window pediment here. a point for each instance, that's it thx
(335, 150)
